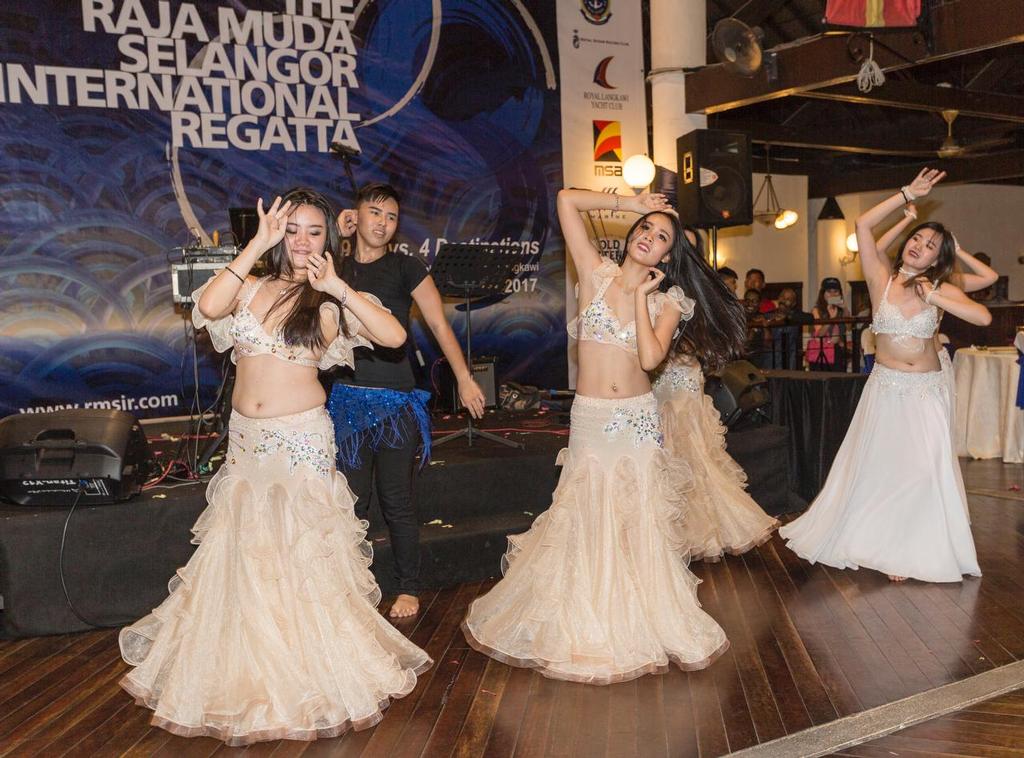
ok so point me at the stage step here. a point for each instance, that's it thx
(465, 551)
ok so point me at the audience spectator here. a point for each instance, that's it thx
(758, 337)
(989, 294)
(787, 321)
(731, 279)
(754, 280)
(826, 350)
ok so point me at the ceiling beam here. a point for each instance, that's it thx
(972, 169)
(924, 97)
(959, 28)
(757, 11)
(993, 72)
(830, 139)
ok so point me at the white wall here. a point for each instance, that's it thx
(782, 255)
(984, 217)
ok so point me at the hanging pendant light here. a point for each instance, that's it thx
(772, 214)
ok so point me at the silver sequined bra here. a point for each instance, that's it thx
(598, 322)
(889, 319)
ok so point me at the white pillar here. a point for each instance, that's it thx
(678, 40)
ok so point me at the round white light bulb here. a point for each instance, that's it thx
(638, 171)
(851, 242)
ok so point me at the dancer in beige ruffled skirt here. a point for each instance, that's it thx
(723, 517)
(598, 589)
(271, 631)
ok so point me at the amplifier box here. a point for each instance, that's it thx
(483, 372)
(187, 277)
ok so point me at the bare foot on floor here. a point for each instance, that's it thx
(404, 606)
(893, 578)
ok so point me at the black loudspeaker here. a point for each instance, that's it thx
(715, 183)
(89, 456)
(738, 390)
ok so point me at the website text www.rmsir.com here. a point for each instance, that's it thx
(123, 403)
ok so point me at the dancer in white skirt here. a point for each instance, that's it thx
(974, 276)
(722, 517)
(598, 590)
(894, 499)
(271, 631)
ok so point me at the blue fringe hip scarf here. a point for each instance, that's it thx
(362, 414)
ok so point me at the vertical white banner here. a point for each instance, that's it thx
(604, 112)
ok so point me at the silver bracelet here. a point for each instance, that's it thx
(616, 202)
(344, 296)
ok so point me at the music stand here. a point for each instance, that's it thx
(466, 271)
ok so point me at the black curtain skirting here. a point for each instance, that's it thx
(817, 407)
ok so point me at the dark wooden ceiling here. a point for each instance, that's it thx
(965, 55)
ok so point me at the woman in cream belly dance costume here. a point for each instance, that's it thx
(598, 590)
(722, 517)
(975, 277)
(894, 499)
(271, 631)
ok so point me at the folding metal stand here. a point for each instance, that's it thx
(467, 271)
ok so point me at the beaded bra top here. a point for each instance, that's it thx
(244, 332)
(889, 319)
(598, 322)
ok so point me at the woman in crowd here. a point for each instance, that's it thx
(598, 590)
(721, 517)
(271, 629)
(826, 349)
(380, 418)
(894, 500)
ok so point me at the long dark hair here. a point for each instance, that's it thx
(942, 269)
(301, 325)
(717, 331)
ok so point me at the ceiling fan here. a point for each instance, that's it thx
(737, 46)
(951, 147)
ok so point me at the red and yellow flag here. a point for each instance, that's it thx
(872, 13)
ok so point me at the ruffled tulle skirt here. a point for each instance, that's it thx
(894, 500)
(721, 516)
(270, 631)
(598, 590)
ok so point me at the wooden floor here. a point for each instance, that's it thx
(809, 645)
(993, 729)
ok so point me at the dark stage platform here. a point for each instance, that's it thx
(118, 558)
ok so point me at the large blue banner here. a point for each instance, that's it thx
(129, 127)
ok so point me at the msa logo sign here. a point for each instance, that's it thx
(611, 169)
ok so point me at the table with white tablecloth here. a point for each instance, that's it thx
(988, 423)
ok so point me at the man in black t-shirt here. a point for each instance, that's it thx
(380, 417)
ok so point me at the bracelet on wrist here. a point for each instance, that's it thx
(235, 274)
(908, 196)
(344, 296)
(616, 202)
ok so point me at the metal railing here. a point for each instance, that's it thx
(794, 346)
